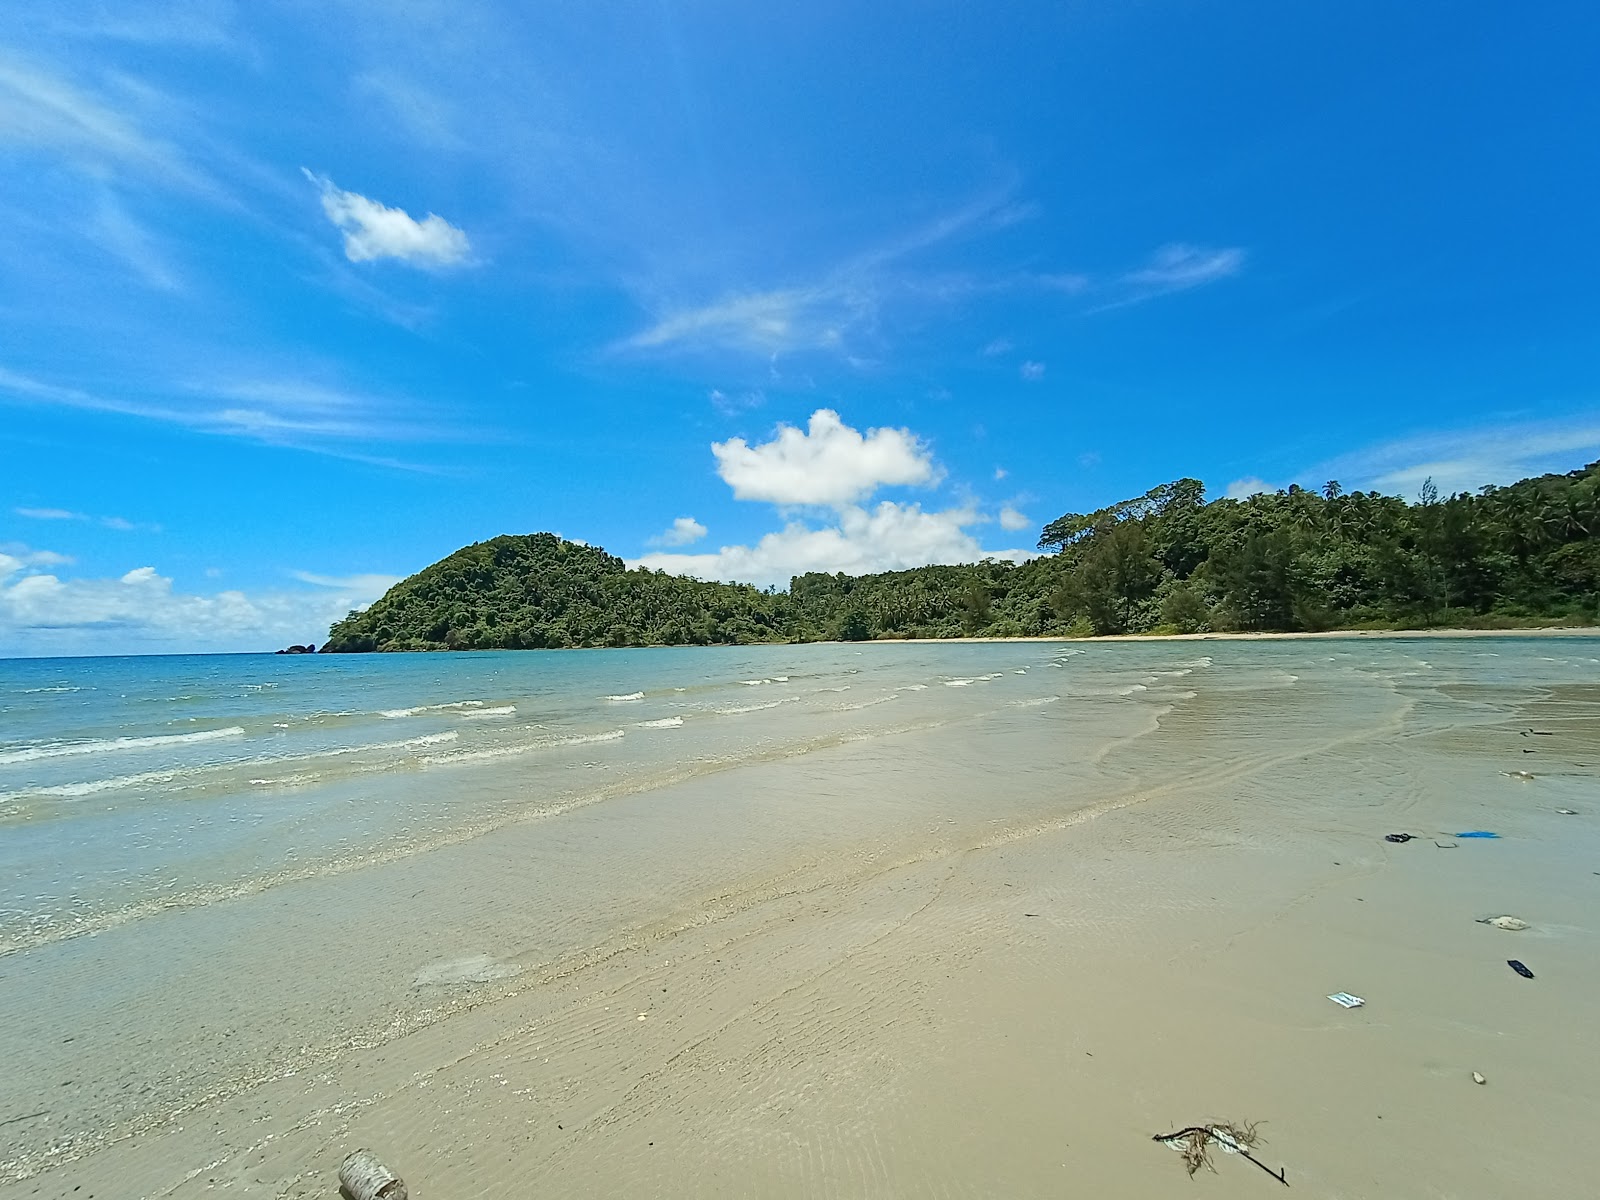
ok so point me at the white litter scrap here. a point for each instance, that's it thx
(1346, 1000)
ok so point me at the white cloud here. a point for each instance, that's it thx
(373, 230)
(1000, 473)
(14, 557)
(42, 613)
(765, 321)
(284, 413)
(1031, 371)
(1243, 489)
(368, 586)
(834, 308)
(49, 514)
(888, 537)
(1011, 520)
(684, 531)
(62, 514)
(997, 347)
(43, 110)
(1467, 459)
(829, 464)
(1175, 267)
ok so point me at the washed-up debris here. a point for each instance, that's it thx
(1476, 1078)
(1477, 833)
(1445, 846)
(1519, 968)
(1524, 776)
(1346, 1000)
(1195, 1142)
(1398, 837)
(1567, 812)
(1538, 732)
(365, 1178)
(1512, 923)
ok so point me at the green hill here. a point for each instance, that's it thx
(1167, 561)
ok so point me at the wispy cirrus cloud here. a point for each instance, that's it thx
(289, 413)
(841, 305)
(121, 524)
(45, 111)
(1175, 267)
(1467, 459)
(845, 306)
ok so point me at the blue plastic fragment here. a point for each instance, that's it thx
(1483, 833)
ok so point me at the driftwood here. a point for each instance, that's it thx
(1195, 1141)
(365, 1178)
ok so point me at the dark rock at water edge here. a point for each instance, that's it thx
(311, 649)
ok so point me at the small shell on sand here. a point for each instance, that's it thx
(1476, 1078)
(1512, 923)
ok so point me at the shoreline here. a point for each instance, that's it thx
(1550, 631)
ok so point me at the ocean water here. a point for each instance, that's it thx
(133, 785)
(199, 854)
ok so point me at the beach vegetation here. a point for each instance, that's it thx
(1300, 559)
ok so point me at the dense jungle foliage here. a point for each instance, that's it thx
(1167, 561)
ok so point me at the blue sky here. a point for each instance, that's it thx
(296, 298)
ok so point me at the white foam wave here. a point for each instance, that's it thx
(466, 756)
(453, 706)
(663, 723)
(505, 710)
(1132, 690)
(736, 709)
(1036, 702)
(864, 704)
(915, 687)
(631, 696)
(117, 745)
(37, 691)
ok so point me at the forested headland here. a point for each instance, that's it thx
(1166, 562)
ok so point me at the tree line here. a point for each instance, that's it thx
(1168, 561)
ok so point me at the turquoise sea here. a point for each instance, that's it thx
(132, 784)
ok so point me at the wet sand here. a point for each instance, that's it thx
(1053, 933)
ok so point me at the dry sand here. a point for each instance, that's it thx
(992, 998)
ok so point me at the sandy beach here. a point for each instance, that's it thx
(1061, 926)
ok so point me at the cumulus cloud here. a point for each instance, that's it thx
(373, 230)
(684, 531)
(141, 610)
(1243, 489)
(14, 557)
(829, 463)
(1031, 371)
(1011, 520)
(887, 537)
(997, 347)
